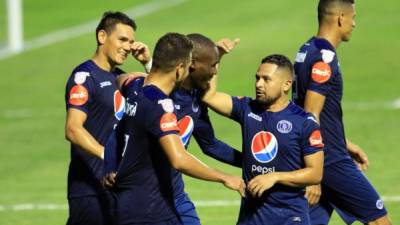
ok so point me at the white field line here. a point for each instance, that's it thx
(88, 27)
(199, 203)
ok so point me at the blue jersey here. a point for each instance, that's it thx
(317, 69)
(143, 183)
(194, 120)
(274, 142)
(93, 91)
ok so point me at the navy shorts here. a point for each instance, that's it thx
(348, 191)
(90, 210)
(261, 213)
(186, 210)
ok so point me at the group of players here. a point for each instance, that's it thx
(129, 131)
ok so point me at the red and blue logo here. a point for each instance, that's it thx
(264, 147)
(186, 126)
(119, 105)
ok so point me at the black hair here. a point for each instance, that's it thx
(111, 19)
(280, 60)
(171, 49)
(201, 44)
(325, 6)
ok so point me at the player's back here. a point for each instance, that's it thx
(317, 69)
(143, 188)
(93, 91)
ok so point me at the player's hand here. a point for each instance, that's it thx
(261, 183)
(358, 155)
(109, 180)
(313, 194)
(225, 45)
(141, 52)
(235, 183)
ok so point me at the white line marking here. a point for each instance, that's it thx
(85, 28)
(198, 203)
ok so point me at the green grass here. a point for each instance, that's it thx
(34, 155)
(3, 23)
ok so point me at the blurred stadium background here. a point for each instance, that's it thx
(34, 155)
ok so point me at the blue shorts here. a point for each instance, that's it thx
(90, 210)
(348, 191)
(186, 210)
(260, 213)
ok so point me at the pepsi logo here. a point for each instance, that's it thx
(186, 126)
(264, 147)
(119, 105)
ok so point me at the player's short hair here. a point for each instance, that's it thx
(171, 49)
(111, 19)
(281, 61)
(201, 44)
(325, 7)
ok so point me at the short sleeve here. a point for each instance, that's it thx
(311, 137)
(239, 105)
(162, 119)
(80, 91)
(320, 77)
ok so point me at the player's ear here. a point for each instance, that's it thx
(340, 19)
(102, 36)
(287, 85)
(180, 71)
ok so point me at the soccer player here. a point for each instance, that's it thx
(148, 137)
(281, 146)
(193, 119)
(94, 105)
(319, 89)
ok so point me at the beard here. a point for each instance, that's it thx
(268, 100)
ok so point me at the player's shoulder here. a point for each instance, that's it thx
(157, 100)
(300, 113)
(82, 72)
(316, 49)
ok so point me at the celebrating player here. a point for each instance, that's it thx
(319, 89)
(281, 146)
(148, 137)
(94, 105)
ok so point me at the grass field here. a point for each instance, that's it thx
(34, 155)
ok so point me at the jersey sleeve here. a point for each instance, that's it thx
(162, 119)
(204, 134)
(239, 105)
(311, 139)
(80, 91)
(321, 74)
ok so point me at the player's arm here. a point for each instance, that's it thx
(79, 136)
(186, 163)
(125, 78)
(225, 45)
(218, 101)
(311, 174)
(211, 146)
(358, 155)
(314, 103)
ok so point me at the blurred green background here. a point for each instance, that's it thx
(34, 155)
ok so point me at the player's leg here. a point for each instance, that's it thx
(352, 194)
(186, 210)
(85, 210)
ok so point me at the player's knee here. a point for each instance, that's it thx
(384, 220)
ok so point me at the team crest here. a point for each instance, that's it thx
(284, 126)
(80, 77)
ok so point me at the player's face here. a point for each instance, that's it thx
(268, 84)
(348, 23)
(204, 68)
(183, 70)
(117, 45)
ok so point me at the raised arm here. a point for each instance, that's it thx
(218, 101)
(186, 163)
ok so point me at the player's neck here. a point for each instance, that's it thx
(327, 33)
(165, 82)
(101, 61)
(279, 105)
(187, 84)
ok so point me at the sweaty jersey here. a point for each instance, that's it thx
(274, 142)
(143, 183)
(93, 91)
(317, 69)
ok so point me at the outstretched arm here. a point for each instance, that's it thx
(218, 101)
(186, 163)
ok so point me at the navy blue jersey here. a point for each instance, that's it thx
(275, 142)
(143, 183)
(93, 91)
(317, 69)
